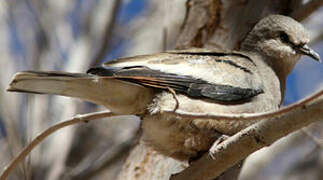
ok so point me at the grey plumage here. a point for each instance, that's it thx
(246, 81)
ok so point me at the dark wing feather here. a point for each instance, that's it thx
(192, 87)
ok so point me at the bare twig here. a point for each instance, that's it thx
(255, 137)
(306, 10)
(172, 91)
(76, 119)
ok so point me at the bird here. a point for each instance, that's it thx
(249, 80)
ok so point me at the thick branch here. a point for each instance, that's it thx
(201, 19)
(255, 137)
(306, 10)
(317, 37)
(49, 131)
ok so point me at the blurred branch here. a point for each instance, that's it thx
(271, 127)
(87, 169)
(107, 35)
(76, 119)
(317, 141)
(318, 37)
(41, 36)
(306, 10)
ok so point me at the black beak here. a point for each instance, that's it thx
(305, 50)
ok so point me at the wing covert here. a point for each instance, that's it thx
(188, 85)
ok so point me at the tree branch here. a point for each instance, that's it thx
(306, 10)
(76, 119)
(317, 37)
(247, 116)
(107, 35)
(272, 126)
(88, 169)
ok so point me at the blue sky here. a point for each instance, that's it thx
(306, 78)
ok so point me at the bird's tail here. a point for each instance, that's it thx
(120, 97)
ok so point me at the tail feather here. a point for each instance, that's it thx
(120, 97)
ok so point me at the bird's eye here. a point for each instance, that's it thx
(284, 37)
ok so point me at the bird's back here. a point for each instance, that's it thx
(184, 137)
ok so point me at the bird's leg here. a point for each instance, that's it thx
(219, 138)
(222, 138)
(175, 98)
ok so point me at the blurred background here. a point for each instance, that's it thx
(74, 35)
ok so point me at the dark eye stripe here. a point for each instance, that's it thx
(285, 39)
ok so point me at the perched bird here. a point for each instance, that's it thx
(200, 81)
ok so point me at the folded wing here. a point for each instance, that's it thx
(190, 86)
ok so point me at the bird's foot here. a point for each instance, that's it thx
(216, 143)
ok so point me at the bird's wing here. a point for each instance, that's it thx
(188, 85)
(224, 77)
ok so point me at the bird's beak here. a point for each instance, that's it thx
(305, 50)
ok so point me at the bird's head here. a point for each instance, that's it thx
(279, 38)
